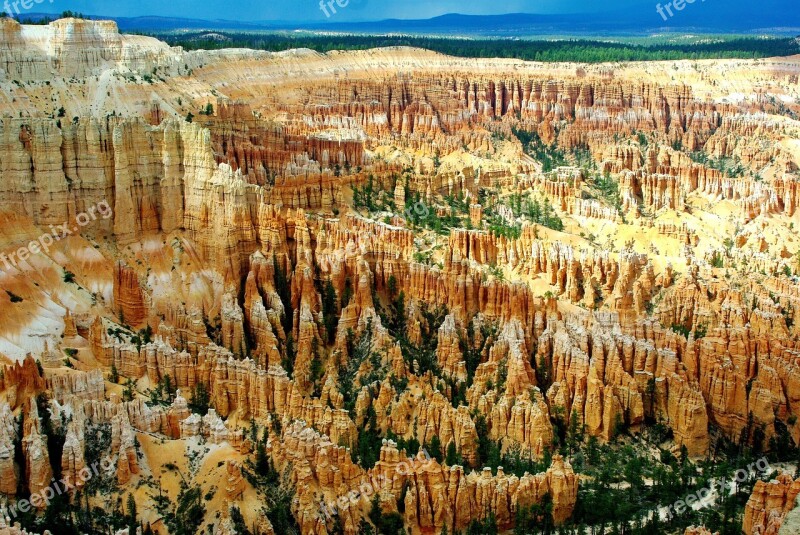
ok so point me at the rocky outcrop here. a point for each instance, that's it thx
(7, 527)
(769, 504)
(436, 495)
(697, 531)
(72, 457)
(234, 485)
(77, 386)
(75, 48)
(123, 440)
(128, 296)
(38, 471)
(8, 438)
(21, 380)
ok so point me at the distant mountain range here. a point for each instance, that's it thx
(698, 17)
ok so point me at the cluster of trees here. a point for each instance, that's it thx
(98, 444)
(420, 214)
(536, 518)
(500, 227)
(458, 203)
(420, 358)
(629, 490)
(284, 290)
(537, 211)
(379, 523)
(270, 484)
(330, 311)
(45, 20)
(64, 513)
(473, 346)
(78, 517)
(608, 189)
(369, 442)
(372, 197)
(200, 400)
(543, 214)
(569, 50)
(552, 157)
(189, 511)
(549, 155)
(163, 393)
(731, 167)
(143, 337)
(238, 522)
(359, 349)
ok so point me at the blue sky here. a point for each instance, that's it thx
(309, 10)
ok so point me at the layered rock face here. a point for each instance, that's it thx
(769, 505)
(433, 495)
(357, 267)
(74, 48)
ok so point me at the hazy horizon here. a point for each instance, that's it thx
(312, 11)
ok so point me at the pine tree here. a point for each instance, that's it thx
(132, 514)
(453, 458)
(201, 400)
(575, 432)
(288, 359)
(284, 291)
(128, 391)
(262, 460)
(253, 430)
(435, 448)
(168, 388)
(329, 311)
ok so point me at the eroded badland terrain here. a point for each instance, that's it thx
(293, 274)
